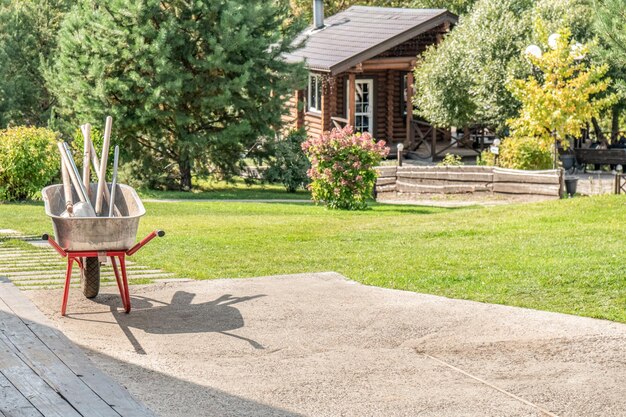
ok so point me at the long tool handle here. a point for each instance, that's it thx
(96, 167)
(86, 129)
(103, 164)
(116, 157)
(79, 186)
(67, 188)
(73, 171)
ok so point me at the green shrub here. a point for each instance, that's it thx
(343, 165)
(486, 158)
(29, 160)
(524, 153)
(451, 160)
(289, 165)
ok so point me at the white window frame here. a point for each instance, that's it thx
(370, 112)
(316, 92)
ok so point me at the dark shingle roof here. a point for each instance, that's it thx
(362, 32)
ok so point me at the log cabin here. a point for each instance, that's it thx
(360, 64)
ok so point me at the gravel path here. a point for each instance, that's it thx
(321, 345)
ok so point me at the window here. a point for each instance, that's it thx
(315, 93)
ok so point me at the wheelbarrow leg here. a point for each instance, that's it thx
(125, 281)
(66, 290)
(119, 283)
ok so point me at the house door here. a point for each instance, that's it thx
(364, 101)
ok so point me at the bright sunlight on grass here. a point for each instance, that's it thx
(565, 256)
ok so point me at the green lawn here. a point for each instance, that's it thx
(565, 256)
(236, 190)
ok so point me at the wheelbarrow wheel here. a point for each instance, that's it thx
(90, 277)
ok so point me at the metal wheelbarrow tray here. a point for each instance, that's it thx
(90, 240)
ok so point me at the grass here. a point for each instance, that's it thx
(222, 190)
(564, 256)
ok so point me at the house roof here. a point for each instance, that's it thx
(361, 32)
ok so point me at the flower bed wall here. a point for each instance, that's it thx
(407, 181)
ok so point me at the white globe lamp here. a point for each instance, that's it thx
(553, 40)
(533, 50)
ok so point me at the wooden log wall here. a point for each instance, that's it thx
(386, 182)
(517, 182)
(416, 180)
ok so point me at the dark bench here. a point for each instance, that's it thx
(601, 156)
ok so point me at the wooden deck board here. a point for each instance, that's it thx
(49, 359)
(13, 403)
(36, 390)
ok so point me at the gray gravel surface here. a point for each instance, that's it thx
(321, 345)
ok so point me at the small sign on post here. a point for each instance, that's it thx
(494, 150)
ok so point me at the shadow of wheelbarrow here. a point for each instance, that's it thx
(180, 316)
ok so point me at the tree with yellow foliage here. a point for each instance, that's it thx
(564, 93)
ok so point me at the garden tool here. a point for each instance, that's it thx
(103, 164)
(86, 130)
(83, 208)
(116, 156)
(67, 191)
(96, 166)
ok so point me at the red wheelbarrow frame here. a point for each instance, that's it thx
(122, 280)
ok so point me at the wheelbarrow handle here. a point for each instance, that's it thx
(144, 241)
(54, 244)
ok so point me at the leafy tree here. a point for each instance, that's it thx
(190, 85)
(28, 32)
(289, 165)
(610, 26)
(462, 81)
(563, 96)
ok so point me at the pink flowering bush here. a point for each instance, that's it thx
(342, 167)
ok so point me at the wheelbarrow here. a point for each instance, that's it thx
(88, 241)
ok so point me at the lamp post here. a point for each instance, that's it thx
(400, 148)
(496, 150)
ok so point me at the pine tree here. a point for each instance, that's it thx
(28, 31)
(189, 84)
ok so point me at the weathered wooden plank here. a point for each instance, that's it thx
(49, 367)
(387, 171)
(434, 189)
(386, 196)
(30, 385)
(109, 391)
(449, 176)
(386, 188)
(526, 177)
(436, 168)
(513, 171)
(519, 188)
(13, 403)
(419, 181)
(385, 181)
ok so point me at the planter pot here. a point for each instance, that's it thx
(568, 161)
(570, 185)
